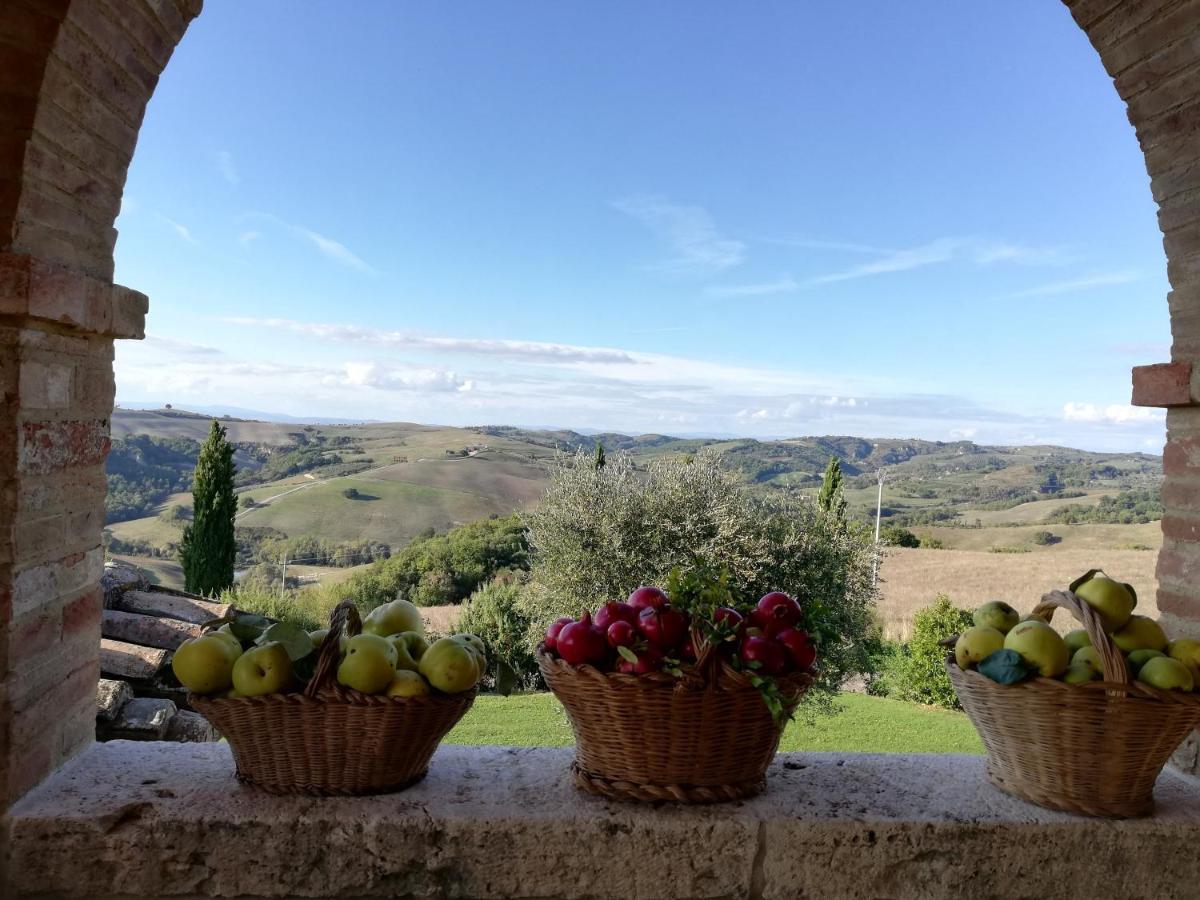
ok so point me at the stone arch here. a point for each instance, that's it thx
(75, 78)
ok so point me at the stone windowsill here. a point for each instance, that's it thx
(164, 819)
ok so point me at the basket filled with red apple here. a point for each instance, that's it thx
(1082, 722)
(679, 694)
(358, 708)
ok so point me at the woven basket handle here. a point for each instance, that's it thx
(1113, 661)
(344, 620)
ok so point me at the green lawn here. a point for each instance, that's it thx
(864, 724)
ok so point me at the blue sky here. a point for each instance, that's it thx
(927, 219)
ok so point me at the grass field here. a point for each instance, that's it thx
(1100, 538)
(862, 724)
(911, 579)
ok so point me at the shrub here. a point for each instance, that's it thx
(350, 493)
(895, 536)
(599, 533)
(1045, 538)
(495, 613)
(932, 543)
(918, 672)
(305, 609)
(248, 502)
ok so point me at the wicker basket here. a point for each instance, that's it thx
(705, 737)
(1094, 748)
(330, 740)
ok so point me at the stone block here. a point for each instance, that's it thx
(141, 719)
(190, 727)
(129, 312)
(120, 659)
(44, 447)
(111, 695)
(45, 385)
(1163, 384)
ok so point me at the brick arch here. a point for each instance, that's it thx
(75, 78)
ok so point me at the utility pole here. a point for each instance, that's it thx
(881, 474)
(283, 576)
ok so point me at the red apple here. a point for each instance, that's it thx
(553, 631)
(621, 634)
(647, 596)
(770, 655)
(614, 612)
(649, 660)
(663, 627)
(799, 647)
(730, 618)
(778, 607)
(582, 642)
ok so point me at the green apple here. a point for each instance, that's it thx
(1113, 600)
(996, 614)
(263, 670)
(409, 646)
(1140, 633)
(204, 665)
(369, 664)
(450, 666)
(1077, 640)
(1040, 646)
(976, 644)
(235, 646)
(1088, 656)
(1139, 658)
(408, 683)
(317, 636)
(1080, 673)
(1167, 674)
(1187, 651)
(393, 618)
(476, 646)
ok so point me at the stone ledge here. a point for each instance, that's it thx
(159, 819)
(34, 289)
(1162, 385)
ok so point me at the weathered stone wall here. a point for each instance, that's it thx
(75, 77)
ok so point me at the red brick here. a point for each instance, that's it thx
(1181, 456)
(1178, 604)
(28, 766)
(31, 636)
(83, 614)
(1163, 384)
(45, 447)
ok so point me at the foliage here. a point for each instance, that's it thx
(601, 460)
(439, 569)
(1126, 508)
(495, 613)
(932, 543)
(895, 536)
(143, 471)
(308, 610)
(832, 497)
(918, 672)
(1045, 538)
(600, 533)
(208, 548)
(314, 551)
(350, 493)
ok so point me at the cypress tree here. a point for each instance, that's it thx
(601, 462)
(832, 498)
(208, 548)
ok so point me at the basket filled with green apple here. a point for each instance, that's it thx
(679, 695)
(358, 708)
(1083, 722)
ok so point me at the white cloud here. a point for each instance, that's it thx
(1079, 284)
(182, 230)
(226, 167)
(335, 250)
(370, 374)
(533, 351)
(176, 346)
(689, 231)
(246, 238)
(816, 244)
(935, 252)
(784, 285)
(963, 434)
(1115, 413)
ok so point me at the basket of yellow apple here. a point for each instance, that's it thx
(1086, 722)
(358, 708)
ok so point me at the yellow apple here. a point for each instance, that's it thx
(393, 618)
(1080, 673)
(476, 646)
(1040, 646)
(1088, 656)
(317, 636)
(976, 644)
(998, 615)
(263, 670)
(409, 647)
(234, 645)
(407, 683)
(1139, 658)
(450, 666)
(1111, 599)
(1077, 640)
(1140, 633)
(1166, 674)
(369, 664)
(204, 665)
(1187, 651)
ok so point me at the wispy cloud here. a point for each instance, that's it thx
(180, 229)
(176, 346)
(689, 231)
(785, 285)
(327, 246)
(818, 244)
(935, 252)
(226, 167)
(1152, 349)
(532, 351)
(246, 238)
(1078, 284)
(1114, 414)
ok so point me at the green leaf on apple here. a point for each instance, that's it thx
(295, 641)
(304, 668)
(626, 654)
(507, 678)
(249, 626)
(1005, 667)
